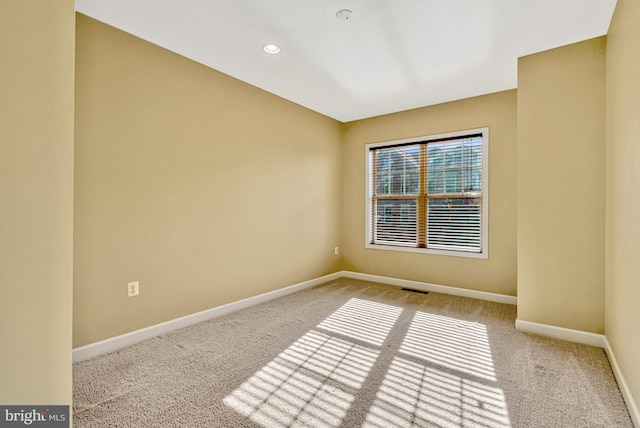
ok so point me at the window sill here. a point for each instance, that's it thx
(470, 255)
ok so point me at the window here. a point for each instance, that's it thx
(429, 194)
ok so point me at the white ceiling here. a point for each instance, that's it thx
(390, 56)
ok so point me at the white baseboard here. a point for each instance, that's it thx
(424, 286)
(622, 384)
(119, 342)
(592, 339)
(567, 334)
(122, 341)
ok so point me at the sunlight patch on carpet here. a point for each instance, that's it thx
(314, 381)
(442, 376)
(451, 343)
(279, 396)
(364, 320)
(415, 395)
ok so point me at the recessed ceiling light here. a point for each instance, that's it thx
(271, 49)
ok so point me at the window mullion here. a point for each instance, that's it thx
(421, 202)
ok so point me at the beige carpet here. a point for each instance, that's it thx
(352, 354)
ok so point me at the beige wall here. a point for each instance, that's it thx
(36, 196)
(496, 274)
(561, 132)
(161, 155)
(203, 188)
(623, 191)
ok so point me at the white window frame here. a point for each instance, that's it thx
(484, 232)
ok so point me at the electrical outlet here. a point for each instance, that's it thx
(133, 288)
(336, 250)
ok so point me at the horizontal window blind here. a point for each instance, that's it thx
(396, 181)
(396, 221)
(454, 224)
(428, 194)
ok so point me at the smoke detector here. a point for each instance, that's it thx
(344, 14)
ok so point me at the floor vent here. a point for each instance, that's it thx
(415, 291)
